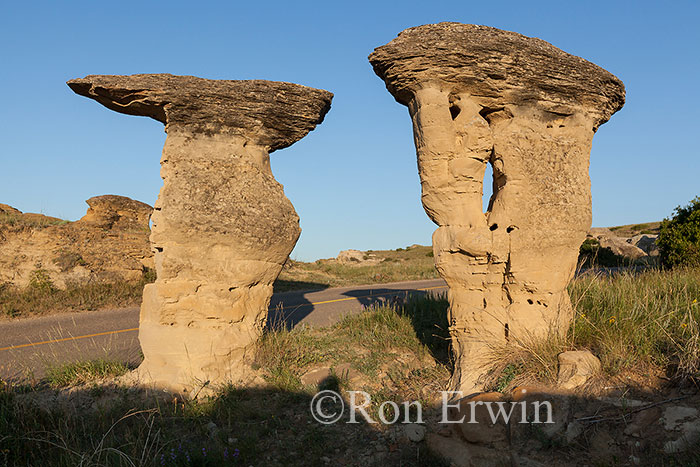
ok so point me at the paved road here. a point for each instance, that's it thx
(29, 345)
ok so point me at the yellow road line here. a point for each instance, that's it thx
(398, 291)
(12, 347)
(106, 333)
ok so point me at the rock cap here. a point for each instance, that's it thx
(268, 113)
(498, 67)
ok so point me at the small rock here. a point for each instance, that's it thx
(576, 367)
(642, 420)
(603, 447)
(483, 431)
(684, 421)
(573, 431)
(381, 447)
(414, 432)
(462, 454)
(316, 376)
(675, 416)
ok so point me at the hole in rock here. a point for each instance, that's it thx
(529, 300)
(487, 188)
(493, 227)
(454, 111)
(506, 330)
(511, 228)
(159, 249)
(486, 111)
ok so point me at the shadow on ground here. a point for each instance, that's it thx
(109, 425)
(102, 424)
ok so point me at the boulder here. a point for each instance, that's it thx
(222, 226)
(479, 95)
(620, 247)
(646, 243)
(351, 256)
(576, 367)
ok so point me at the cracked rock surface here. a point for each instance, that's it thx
(222, 226)
(479, 95)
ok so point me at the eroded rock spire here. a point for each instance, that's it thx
(480, 95)
(222, 226)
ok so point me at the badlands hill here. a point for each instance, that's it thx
(109, 243)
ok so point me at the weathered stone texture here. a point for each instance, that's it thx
(222, 226)
(110, 243)
(480, 95)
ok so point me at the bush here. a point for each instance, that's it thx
(591, 255)
(679, 238)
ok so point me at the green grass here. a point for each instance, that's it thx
(83, 372)
(642, 322)
(370, 341)
(651, 317)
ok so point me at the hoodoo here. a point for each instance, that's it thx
(479, 95)
(222, 226)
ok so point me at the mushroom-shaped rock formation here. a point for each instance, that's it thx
(222, 226)
(480, 95)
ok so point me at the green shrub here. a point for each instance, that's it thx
(679, 238)
(591, 254)
(40, 280)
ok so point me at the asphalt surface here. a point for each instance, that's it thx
(29, 346)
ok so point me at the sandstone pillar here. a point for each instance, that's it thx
(480, 95)
(222, 226)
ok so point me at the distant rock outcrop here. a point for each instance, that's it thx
(110, 243)
(638, 249)
(117, 212)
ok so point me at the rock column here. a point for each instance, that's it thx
(478, 95)
(222, 226)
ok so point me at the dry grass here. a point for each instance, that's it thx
(41, 297)
(29, 220)
(403, 348)
(632, 321)
(403, 264)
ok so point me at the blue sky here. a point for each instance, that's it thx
(353, 180)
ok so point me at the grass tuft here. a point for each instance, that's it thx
(632, 321)
(76, 373)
